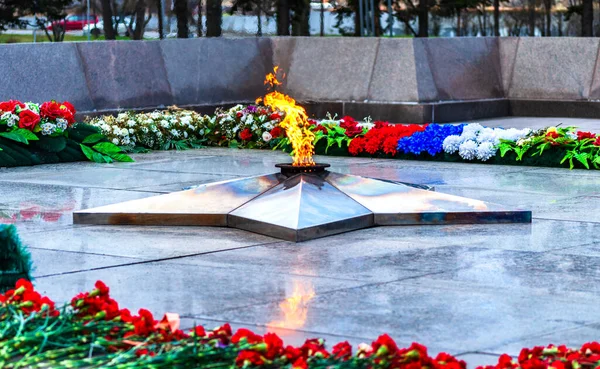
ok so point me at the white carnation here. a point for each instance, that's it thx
(115, 141)
(451, 144)
(472, 128)
(485, 151)
(468, 150)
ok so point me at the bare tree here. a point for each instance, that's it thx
(531, 9)
(548, 13)
(423, 18)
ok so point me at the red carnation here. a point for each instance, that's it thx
(275, 116)
(357, 146)
(583, 135)
(9, 106)
(385, 346)
(246, 134)
(246, 334)
(199, 331)
(28, 120)
(351, 126)
(247, 356)
(342, 350)
(300, 363)
(277, 132)
(274, 346)
(321, 128)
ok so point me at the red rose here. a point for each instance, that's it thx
(277, 132)
(275, 116)
(239, 114)
(246, 134)
(9, 106)
(28, 119)
(552, 135)
(53, 110)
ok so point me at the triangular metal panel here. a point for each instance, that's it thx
(302, 207)
(205, 205)
(398, 204)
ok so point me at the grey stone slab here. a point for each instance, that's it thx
(394, 74)
(45, 261)
(223, 166)
(571, 209)
(554, 68)
(425, 81)
(189, 290)
(215, 70)
(44, 72)
(507, 47)
(449, 317)
(282, 50)
(145, 242)
(112, 178)
(573, 338)
(342, 73)
(463, 68)
(123, 74)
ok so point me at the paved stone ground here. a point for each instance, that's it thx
(474, 290)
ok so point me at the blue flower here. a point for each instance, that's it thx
(430, 140)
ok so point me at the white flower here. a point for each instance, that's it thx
(145, 129)
(48, 128)
(164, 123)
(131, 131)
(473, 128)
(131, 123)
(572, 135)
(62, 123)
(124, 132)
(468, 150)
(155, 115)
(122, 116)
(175, 133)
(185, 134)
(125, 141)
(485, 151)
(451, 144)
(266, 136)
(10, 119)
(115, 141)
(186, 120)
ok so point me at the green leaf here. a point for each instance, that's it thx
(504, 149)
(88, 152)
(93, 138)
(583, 159)
(339, 141)
(122, 158)
(233, 144)
(15, 136)
(106, 148)
(27, 134)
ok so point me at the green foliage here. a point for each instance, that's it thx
(15, 260)
(104, 152)
(20, 135)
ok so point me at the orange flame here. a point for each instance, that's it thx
(295, 123)
(295, 308)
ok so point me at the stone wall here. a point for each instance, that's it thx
(414, 80)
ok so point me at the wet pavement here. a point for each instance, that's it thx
(473, 290)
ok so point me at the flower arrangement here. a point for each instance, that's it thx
(576, 147)
(477, 142)
(159, 130)
(382, 138)
(33, 133)
(21, 121)
(248, 126)
(99, 333)
(94, 331)
(430, 140)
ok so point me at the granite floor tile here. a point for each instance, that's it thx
(52, 262)
(450, 318)
(113, 178)
(144, 242)
(189, 290)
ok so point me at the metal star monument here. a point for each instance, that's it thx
(302, 203)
